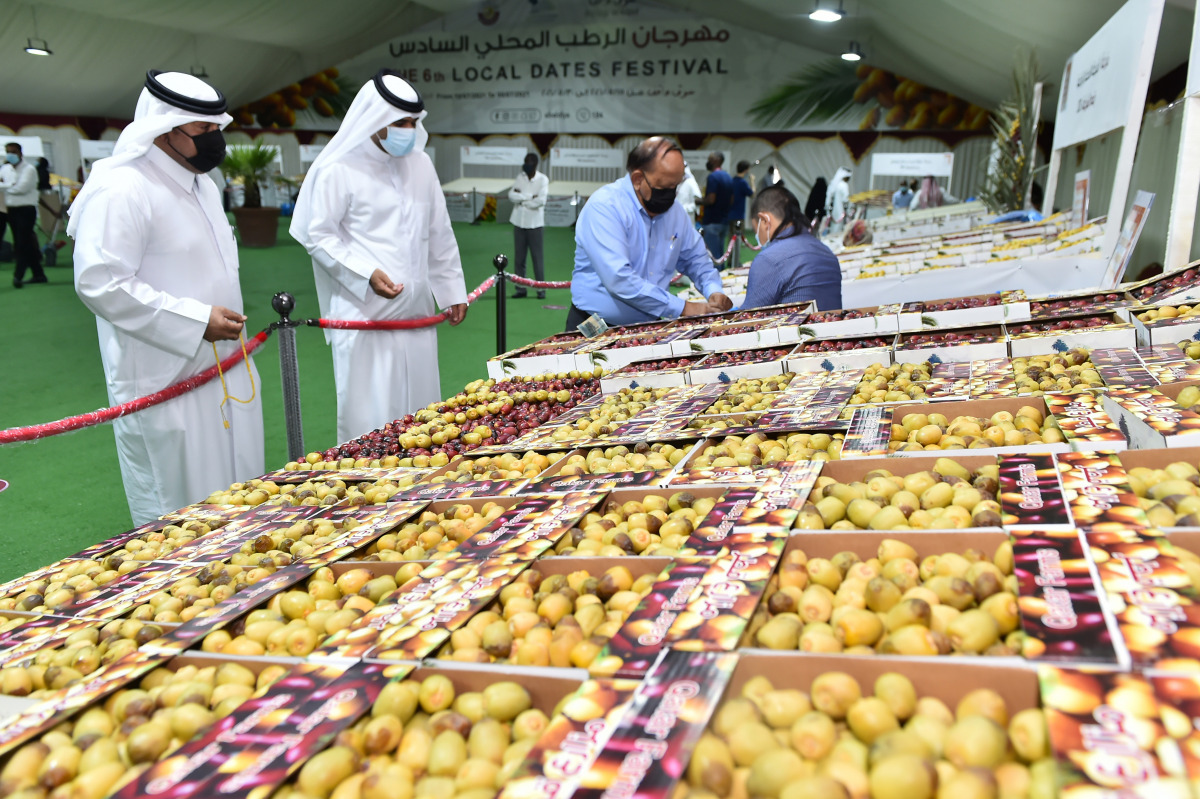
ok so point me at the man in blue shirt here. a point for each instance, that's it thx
(793, 265)
(717, 202)
(631, 239)
(902, 197)
(743, 189)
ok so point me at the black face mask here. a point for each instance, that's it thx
(210, 150)
(660, 200)
(530, 170)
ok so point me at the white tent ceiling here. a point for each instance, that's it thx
(250, 48)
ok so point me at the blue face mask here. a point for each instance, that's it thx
(758, 242)
(399, 141)
(12, 158)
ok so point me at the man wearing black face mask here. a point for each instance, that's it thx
(528, 197)
(631, 239)
(156, 261)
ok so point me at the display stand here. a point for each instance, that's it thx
(1103, 89)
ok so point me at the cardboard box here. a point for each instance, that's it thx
(868, 324)
(537, 359)
(983, 314)
(1174, 372)
(806, 358)
(1082, 419)
(987, 342)
(1098, 491)
(1050, 306)
(716, 369)
(983, 409)
(740, 335)
(616, 354)
(1031, 493)
(1043, 341)
(1160, 459)
(1172, 288)
(1151, 418)
(1166, 332)
(653, 373)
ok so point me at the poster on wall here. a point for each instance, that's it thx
(1135, 220)
(562, 211)
(1083, 191)
(512, 66)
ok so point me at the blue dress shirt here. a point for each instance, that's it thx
(796, 268)
(720, 185)
(624, 259)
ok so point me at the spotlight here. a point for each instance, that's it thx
(853, 53)
(827, 14)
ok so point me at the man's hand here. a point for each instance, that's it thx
(695, 308)
(719, 301)
(382, 285)
(457, 313)
(223, 324)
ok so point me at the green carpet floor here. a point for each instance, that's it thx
(65, 492)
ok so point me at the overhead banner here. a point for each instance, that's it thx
(1099, 79)
(615, 66)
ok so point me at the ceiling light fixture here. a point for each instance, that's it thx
(853, 52)
(197, 71)
(35, 45)
(827, 14)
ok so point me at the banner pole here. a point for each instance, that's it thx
(289, 374)
(500, 262)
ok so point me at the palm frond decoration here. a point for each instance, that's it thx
(1015, 151)
(822, 91)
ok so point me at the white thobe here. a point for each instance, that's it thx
(373, 211)
(839, 198)
(153, 253)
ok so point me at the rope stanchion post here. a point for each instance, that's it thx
(289, 373)
(501, 263)
(736, 257)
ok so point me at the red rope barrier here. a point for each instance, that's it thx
(399, 324)
(746, 241)
(15, 434)
(540, 284)
(728, 252)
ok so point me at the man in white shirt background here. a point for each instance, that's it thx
(156, 261)
(21, 196)
(528, 196)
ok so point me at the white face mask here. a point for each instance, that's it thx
(399, 141)
(758, 241)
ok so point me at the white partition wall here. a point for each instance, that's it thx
(1103, 89)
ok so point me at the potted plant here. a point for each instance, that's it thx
(257, 226)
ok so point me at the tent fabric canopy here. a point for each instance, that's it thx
(250, 49)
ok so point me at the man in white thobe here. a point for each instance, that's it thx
(156, 261)
(372, 215)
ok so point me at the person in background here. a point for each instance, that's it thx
(156, 261)
(632, 237)
(20, 187)
(689, 192)
(528, 196)
(793, 265)
(372, 215)
(902, 197)
(43, 172)
(772, 177)
(743, 190)
(814, 209)
(837, 201)
(717, 202)
(6, 176)
(931, 195)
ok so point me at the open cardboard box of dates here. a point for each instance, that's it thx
(536, 359)
(1178, 286)
(726, 366)
(553, 481)
(1092, 331)
(651, 373)
(852, 322)
(974, 310)
(951, 345)
(1165, 331)
(1152, 418)
(737, 335)
(1051, 306)
(624, 350)
(1160, 459)
(830, 354)
(985, 409)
